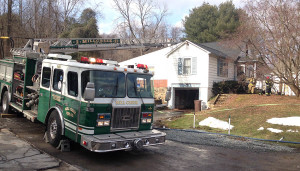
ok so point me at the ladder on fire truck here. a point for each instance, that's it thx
(71, 45)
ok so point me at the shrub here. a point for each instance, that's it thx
(226, 87)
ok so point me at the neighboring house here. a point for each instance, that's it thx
(189, 70)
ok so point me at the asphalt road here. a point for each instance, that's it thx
(171, 156)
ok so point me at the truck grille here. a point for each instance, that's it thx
(125, 118)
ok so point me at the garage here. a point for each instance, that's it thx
(184, 98)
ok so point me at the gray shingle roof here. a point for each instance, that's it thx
(221, 50)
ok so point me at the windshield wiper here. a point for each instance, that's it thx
(116, 87)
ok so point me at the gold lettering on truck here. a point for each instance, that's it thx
(126, 103)
(131, 102)
(56, 97)
(70, 112)
(120, 103)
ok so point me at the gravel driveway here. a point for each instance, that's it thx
(224, 141)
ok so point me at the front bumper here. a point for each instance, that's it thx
(122, 141)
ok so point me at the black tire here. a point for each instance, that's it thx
(54, 129)
(5, 103)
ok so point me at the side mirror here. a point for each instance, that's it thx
(89, 92)
(168, 94)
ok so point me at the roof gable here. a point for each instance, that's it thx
(187, 42)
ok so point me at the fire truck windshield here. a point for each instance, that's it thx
(107, 84)
(139, 86)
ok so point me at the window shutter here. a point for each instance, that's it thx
(194, 66)
(180, 66)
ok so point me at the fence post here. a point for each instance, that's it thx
(229, 125)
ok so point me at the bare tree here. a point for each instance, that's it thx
(68, 8)
(142, 18)
(176, 33)
(9, 17)
(271, 30)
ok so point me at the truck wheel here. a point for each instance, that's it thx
(54, 129)
(5, 103)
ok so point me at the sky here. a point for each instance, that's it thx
(177, 10)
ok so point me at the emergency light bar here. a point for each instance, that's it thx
(142, 66)
(92, 60)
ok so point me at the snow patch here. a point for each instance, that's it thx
(289, 121)
(215, 123)
(290, 130)
(261, 129)
(275, 130)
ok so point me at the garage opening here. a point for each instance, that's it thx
(184, 99)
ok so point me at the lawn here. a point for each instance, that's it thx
(248, 113)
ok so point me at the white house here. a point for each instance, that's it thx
(189, 70)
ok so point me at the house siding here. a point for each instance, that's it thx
(213, 73)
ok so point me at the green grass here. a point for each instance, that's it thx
(246, 120)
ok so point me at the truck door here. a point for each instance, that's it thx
(56, 98)
(44, 94)
(71, 103)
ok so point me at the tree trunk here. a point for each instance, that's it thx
(48, 34)
(9, 21)
(295, 89)
(9, 15)
(21, 12)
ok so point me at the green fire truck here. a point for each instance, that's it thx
(94, 102)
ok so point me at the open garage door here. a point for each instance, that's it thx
(184, 98)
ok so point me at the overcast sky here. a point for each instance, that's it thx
(177, 9)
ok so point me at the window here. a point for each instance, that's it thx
(73, 83)
(57, 79)
(187, 66)
(139, 86)
(46, 77)
(107, 84)
(222, 68)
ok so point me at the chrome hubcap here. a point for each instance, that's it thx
(53, 129)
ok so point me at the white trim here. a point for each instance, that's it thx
(77, 65)
(73, 131)
(183, 43)
(85, 131)
(73, 123)
(70, 126)
(70, 129)
(87, 127)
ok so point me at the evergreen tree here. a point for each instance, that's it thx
(209, 23)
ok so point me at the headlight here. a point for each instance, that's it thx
(106, 123)
(144, 120)
(149, 120)
(103, 123)
(100, 123)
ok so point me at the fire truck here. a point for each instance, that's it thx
(94, 102)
